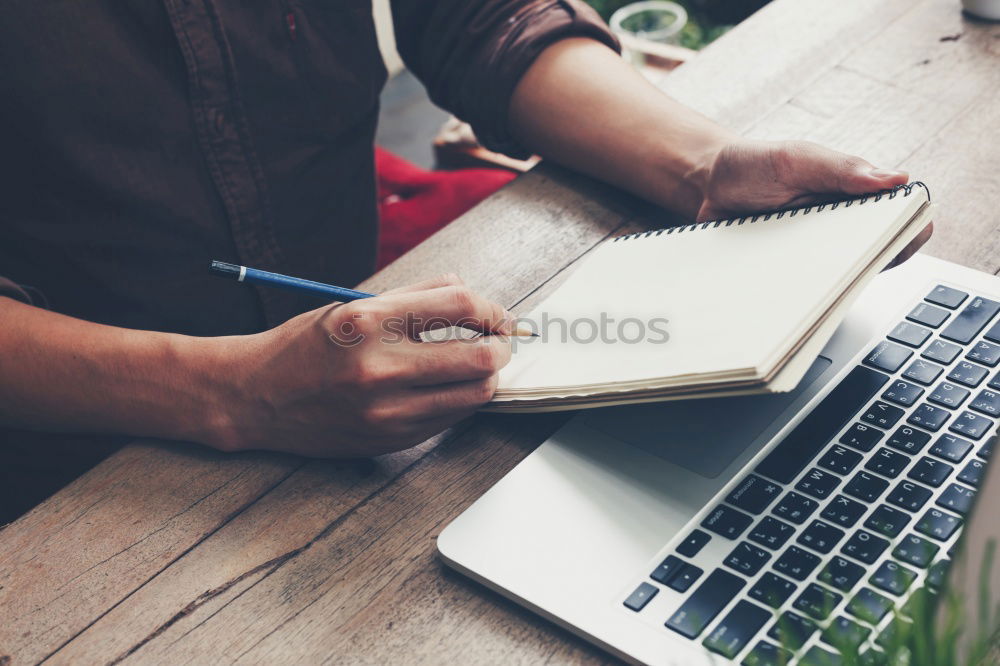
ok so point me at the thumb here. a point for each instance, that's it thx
(821, 170)
(870, 179)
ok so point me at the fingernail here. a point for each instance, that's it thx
(886, 173)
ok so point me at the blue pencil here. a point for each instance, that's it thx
(329, 291)
(266, 278)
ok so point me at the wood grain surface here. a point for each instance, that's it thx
(169, 552)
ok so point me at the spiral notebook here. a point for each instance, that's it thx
(728, 307)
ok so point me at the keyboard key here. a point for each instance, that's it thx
(861, 437)
(972, 473)
(817, 602)
(767, 654)
(638, 599)
(754, 494)
(887, 356)
(887, 521)
(882, 414)
(919, 605)
(902, 393)
(817, 656)
(986, 353)
(817, 483)
(928, 315)
(928, 416)
(809, 437)
(706, 602)
(844, 511)
(892, 578)
(968, 374)
(909, 334)
(891, 638)
(942, 352)
(792, 630)
(965, 326)
(795, 508)
(986, 450)
(930, 471)
(772, 590)
(866, 487)
(909, 496)
(864, 547)
(685, 578)
(771, 533)
(923, 372)
(796, 563)
(692, 545)
(993, 335)
(908, 440)
(946, 296)
(937, 574)
(747, 559)
(668, 569)
(951, 448)
(727, 522)
(938, 525)
(948, 395)
(841, 574)
(736, 629)
(995, 382)
(820, 537)
(971, 425)
(987, 402)
(840, 460)
(869, 606)
(845, 635)
(916, 551)
(887, 463)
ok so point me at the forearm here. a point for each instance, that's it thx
(582, 105)
(63, 374)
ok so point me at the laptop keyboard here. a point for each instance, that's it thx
(856, 508)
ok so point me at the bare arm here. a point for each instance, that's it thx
(64, 374)
(582, 105)
(298, 387)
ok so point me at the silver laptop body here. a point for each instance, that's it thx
(640, 528)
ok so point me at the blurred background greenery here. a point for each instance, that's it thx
(708, 19)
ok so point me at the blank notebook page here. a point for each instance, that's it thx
(737, 298)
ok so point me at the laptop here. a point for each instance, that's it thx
(766, 529)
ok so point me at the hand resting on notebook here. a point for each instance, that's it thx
(749, 176)
(581, 105)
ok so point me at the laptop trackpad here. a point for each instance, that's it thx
(702, 436)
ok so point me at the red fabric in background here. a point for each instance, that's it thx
(414, 203)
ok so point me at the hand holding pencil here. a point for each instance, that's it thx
(357, 379)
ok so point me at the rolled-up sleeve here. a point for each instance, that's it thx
(470, 54)
(11, 289)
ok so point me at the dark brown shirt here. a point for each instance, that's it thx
(143, 138)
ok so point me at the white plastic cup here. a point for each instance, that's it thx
(657, 21)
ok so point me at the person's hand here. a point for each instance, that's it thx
(356, 380)
(751, 176)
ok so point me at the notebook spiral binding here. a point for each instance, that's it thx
(777, 215)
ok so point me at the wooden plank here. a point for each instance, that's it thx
(762, 63)
(112, 530)
(371, 590)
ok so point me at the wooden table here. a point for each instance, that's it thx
(172, 553)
